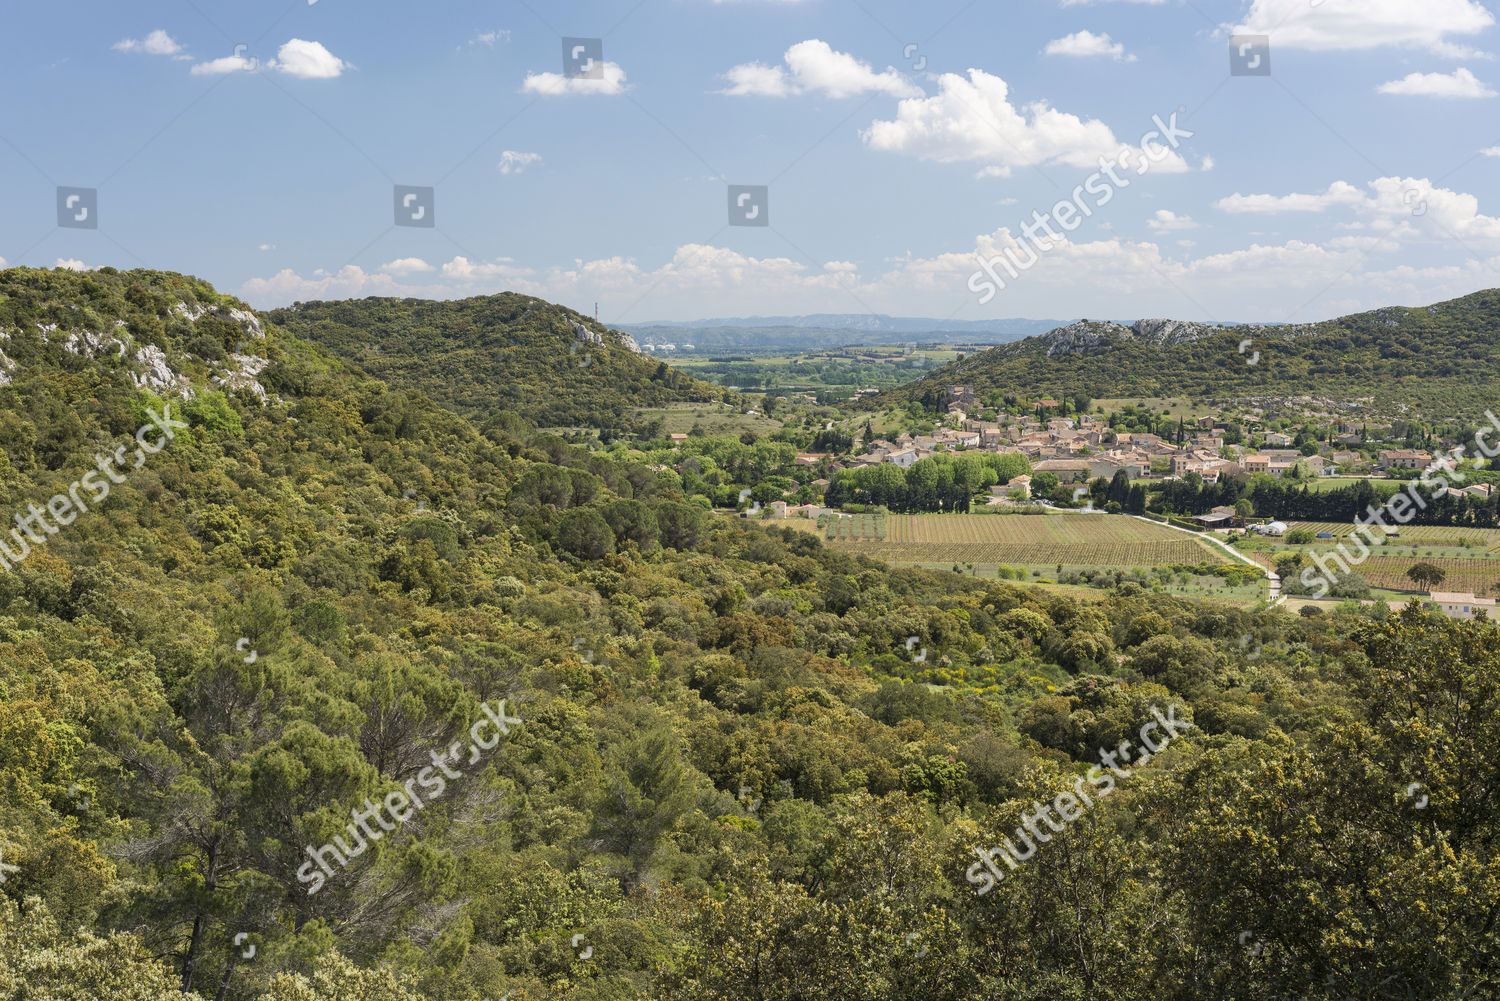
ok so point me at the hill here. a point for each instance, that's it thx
(259, 613)
(1441, 360)
(500, 352)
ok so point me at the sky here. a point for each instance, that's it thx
(1273, 160)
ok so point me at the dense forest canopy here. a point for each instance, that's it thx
(501, 352)
(743, 765)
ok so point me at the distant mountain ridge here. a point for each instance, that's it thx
(1443, 358)
(826, 330)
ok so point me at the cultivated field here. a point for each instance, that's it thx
(1470, 557)
(1030, 540)
(853, 528)
(1421, 537)
(713, 418)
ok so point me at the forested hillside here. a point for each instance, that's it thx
(737, 764)
(499, 352)
(1442, 359)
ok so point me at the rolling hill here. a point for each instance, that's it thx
(1441, 360)
(508, 352)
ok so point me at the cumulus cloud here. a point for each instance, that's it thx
(297, 58)
(1490, 151)
(1392, 207)
(1365, 24)
(158, 43)
(226, 64)
(1338, 193)
(815, 67)
(556, 84)
(515, 162)
(406, 266)
(758, 80)
(1371, 263)
(1085, 44)
(308, 61)
(71, 264)
(1167, 221)
(972, 119)
(1458, 84)
(1295, 279)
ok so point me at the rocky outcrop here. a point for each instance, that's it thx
(243, 375)
(92, 345)
(586, 336)
(157, 375)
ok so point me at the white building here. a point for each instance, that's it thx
(1461, 604)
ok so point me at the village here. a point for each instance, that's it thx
(1084, 448)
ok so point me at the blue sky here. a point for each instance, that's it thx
(257, 145)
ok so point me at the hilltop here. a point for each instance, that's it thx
(1442, 359)
(505, 352)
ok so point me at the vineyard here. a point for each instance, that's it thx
(1477, 540)
(1469, 557)
(1480, 577)
(852, 527)
(1027, 540)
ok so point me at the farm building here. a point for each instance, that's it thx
(1461, 604)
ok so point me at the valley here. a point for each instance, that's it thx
(724, 639)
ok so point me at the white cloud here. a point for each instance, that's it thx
(1458, 84)
(1294, 279)
(813, 66)
(226, 64)
(758, 80)
(265, 247)
(297, 58)
(350, 281)
(1338, 193)
(1086, 43)
(1365, 24)
(1208, 164)
(972, 119)
(1167, 221)
(515, 162)
(308, 61)
(489, 38)
(1393, 208)
(1398, 249)
(1491, 151)
(463, 269)
(555, 84)
(158, 43)
(71, 264)
(407, 266)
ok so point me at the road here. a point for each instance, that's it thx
(1272, 578)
